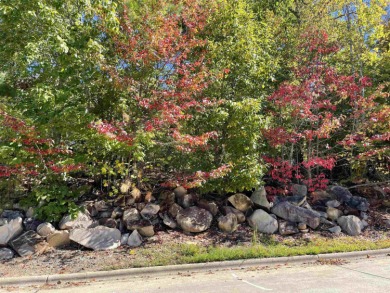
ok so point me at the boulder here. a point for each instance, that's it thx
(210, 206)
(179, 191)
(302, 226)
(58, 239)
(6, 254)
(82, 220)
(335, 230)
(102, 206)
(150, 211)
(31, 224)
(342, 194)
(117, 213)
(10, 230)
(228, 223)
(333, 213)
(263, 222)
(240, 201)
(259, 198)
(351, 225)
(135, 239)
(99, 238)
(359, 203)
(108, 222)
(3, 221)
(194, 219)
(292, 213)
(131, 215)
(288, 228)
(298, 189)
(45, 229)
(240, 215)
(29, 243)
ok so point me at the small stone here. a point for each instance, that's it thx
(359, 203)
(304, 231)
(287, 228)
(45, 229)
(333, 203)
(30, 212)
(125, 238)
(135, 239)
(228, 223)
(261, 221)
(302, 226)
(335, 230)
(168, 221)
(108, 222)
(29, 243)
(10, 230)
(364, 215)
(146, 231)
(240, 201)
(150, 211)
(298, 189)
(350, 225)
(180, 191)
(209, 206)
(187, 200)
(174, 209)
(102, 206)
(296, 200)
(333, 213)
(131, 215)
(240, 215)
(117, 213)
(99, 238)
(259, 198)
(194, 219)
(3, 221)
(125, 186)
(31, 224)
(82, 220)
(58, 239)
(6, 254)
(136, 194)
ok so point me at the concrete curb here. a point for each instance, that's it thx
(135, 272)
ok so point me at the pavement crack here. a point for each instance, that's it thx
(364, 272)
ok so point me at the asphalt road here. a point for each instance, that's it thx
(364, 275)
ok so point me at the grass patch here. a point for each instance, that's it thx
(262, 247)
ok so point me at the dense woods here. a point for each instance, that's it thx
(101, 97)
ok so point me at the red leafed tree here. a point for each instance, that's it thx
(163, 72)
(314, 115)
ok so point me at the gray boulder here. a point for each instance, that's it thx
(168, 221)
(187, 200)
(12, 215)
(99, 238)
(351, 225)
(194, 219)
(228, 223)
(261, 221)
(174, 209)
(240, 201)
(210, 206)
(135, 239)
(29, 243)
(82, 220)
(179, 191)
(359, 203)
(292, 213)
(298, 189)
(150, 211)
(6, 254)
(333, 203)
(342, 194)
(10, 230)
(259, 198)
(335, 230)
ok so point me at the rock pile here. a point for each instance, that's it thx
(130, 219)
